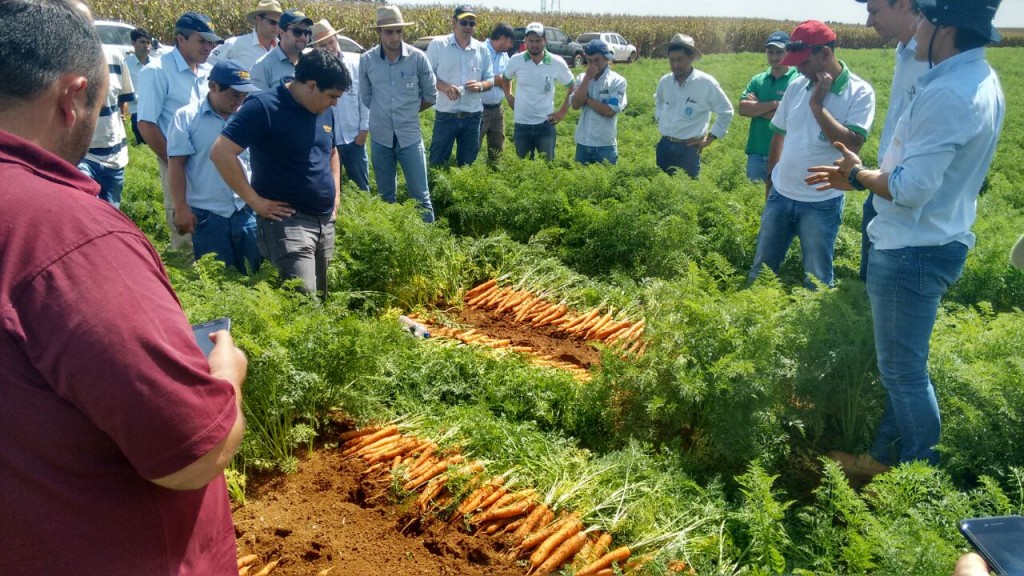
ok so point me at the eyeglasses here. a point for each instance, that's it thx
(300, 32)
(800, 46)
(270, 20)
(470, 23)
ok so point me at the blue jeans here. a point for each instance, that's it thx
(816, 224)
(597, 154)
(904, 287)
(414, 166)
(357, 165)
(232, 239)
(450, 128)
(671, 156)
(111, 180)
(532, 139)
(300, 246)
(757, 167)
(865, 242)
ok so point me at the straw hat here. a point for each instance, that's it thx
(264, 7)
(391, 17)
(322, 31)
(687, 41)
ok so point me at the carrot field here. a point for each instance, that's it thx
(594, 345)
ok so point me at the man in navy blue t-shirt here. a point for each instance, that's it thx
(296, 176)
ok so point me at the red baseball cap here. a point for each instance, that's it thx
(805, 36)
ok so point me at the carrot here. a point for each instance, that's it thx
(548, 546)
(390, 451)
(369, 440)
(611, 328)
(246, 560)
(565, 551)
(583, 321)
(617, 555)
(268, 568)
(243, 571)
(532, 520)
(325, 571)
(605, 572)
(589, 334)
(475, 301)
(537, 538)
(558, 313)
(602, 545)
(378, 446)
(479, 288)
(346, 436)
(528, 307)
(511, 511)
(428, 450)
(497, 297)
(431, 491)
(488, 501)
(433, 471)
(472, 502)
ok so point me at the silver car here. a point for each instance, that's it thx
(623, 50)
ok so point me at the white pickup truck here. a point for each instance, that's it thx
(623, 50)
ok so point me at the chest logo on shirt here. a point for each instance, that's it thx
(688, 111)
(822, 137)
(547, 84)
(327, 128)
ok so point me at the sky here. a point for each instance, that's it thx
(1010, 14)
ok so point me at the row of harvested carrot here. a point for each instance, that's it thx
(487, 507)
(471, 336)
(245, 564)
(539, 312)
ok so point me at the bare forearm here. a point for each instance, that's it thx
(579, 96)
(755, 109)
(154, 139)
(836, 132)
(176, 180)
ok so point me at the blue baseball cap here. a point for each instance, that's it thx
(777, 39)
(232, 73)
(292, 17)
(598, 46)
(201, 23)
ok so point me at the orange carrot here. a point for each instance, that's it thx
(472, 502)
(532, 520)
(511, 511)
(538, 538)
(617, 555)
(369, 439)
(584, 321)
(428, 450)
(602, 545)
(246, 560)
(268, 568)
(433, 471)
(488, 501)
(389, 452)
(605, 572)
(556, 314)
(597, 325)
(479, 288)
(346, 436)
(243, 571)
(484, 295)
(548, 546)
(433, 490)
(611, 328)
(565, 551)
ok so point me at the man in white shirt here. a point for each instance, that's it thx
(108, 150)
(828, 103)
(683, 104)
(462, 66)
(249, 48)
(601, 94)
(536, 71)
(893, 20)
(142, 42)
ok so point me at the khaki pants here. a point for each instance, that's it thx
(492, 127)
(178, 242)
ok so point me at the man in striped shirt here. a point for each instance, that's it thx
(108, 150)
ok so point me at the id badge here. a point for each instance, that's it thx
(547, 84)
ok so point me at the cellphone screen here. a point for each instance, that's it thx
(202, 333)
(999, 540)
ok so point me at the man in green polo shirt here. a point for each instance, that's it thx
(760, 101)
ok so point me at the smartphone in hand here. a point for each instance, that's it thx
(202, 333)
(999, 540)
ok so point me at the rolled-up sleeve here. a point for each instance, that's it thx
(428, 82)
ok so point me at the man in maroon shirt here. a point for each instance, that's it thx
(115, 428)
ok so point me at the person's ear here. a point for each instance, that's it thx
(72, 98)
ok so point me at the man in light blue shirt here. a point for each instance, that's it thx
(892, 19)
(926, 194)
(601, 94)
(142, 42)
(396, 83)
(176, 79)
(492, 122)
(204, 205)
(353, 117)
(277, 67)
(462, 66)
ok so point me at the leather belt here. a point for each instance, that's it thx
(675, 140)
(492, 106)
(459, 115)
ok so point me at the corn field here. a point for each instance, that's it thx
(356, 19)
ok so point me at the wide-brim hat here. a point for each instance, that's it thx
(264, 7)
(687, 42)
(323, 31)
(391, 17)
(967, 14)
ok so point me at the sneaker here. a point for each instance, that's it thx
(861, 466)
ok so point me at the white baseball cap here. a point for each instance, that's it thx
(535, 27)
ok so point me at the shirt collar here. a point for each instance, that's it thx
(951, 64)
(545, 60)
(16, 150)
(405, 52)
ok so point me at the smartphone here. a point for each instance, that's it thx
(202, 333)
(999, 540)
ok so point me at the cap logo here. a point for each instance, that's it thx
(242, 75)
(210, 26)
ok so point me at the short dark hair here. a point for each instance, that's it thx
(141, 33)
(503, 30)
(325, 69)
(679, 47)
(40, 41)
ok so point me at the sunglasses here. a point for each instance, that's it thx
(470, 23)
(271, 20)
(800, 46)
(300, 32)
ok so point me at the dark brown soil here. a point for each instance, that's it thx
(327, 516)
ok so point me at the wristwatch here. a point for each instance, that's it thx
(852, 178)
